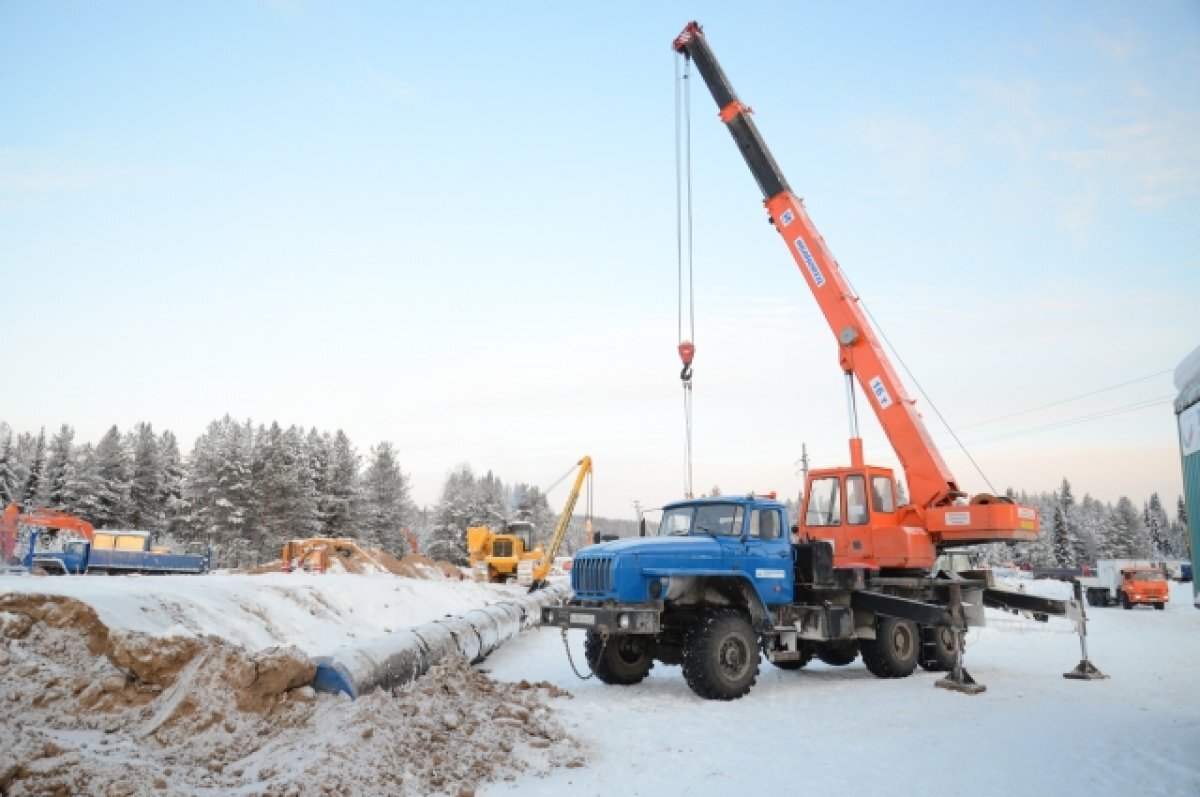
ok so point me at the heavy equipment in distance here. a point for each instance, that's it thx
(498, 557)
(723, 579)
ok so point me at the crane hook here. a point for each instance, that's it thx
(687, 350)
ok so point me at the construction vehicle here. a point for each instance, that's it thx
(533, 574)
(723, 580)
(12, 520)
(496, 557)
(314, 555)
(114, 552)
(1129, 582)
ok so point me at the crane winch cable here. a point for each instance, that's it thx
(683, 235)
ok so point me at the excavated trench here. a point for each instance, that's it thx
(94, 711)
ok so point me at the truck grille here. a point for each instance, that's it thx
(502, 548)
(592, 575)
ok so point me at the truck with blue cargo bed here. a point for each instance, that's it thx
(729, 578)
(114, 552)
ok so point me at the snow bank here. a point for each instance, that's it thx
(316, 613)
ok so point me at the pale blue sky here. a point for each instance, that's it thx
(452, 226)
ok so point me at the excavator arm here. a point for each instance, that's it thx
(12, 520)
(560, 529)
(930, 481)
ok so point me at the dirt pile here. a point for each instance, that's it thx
(94, 712)
(376, 560)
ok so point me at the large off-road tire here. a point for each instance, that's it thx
(720, 655)
(623, 661)
(893, 653)
(938, 645)
(840, 653)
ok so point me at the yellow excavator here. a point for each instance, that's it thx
(500, 557)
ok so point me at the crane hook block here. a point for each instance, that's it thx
(687, 350)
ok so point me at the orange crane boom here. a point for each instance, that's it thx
(905, 537)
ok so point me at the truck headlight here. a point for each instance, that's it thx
(623, 621)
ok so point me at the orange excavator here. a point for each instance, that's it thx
(12, 520)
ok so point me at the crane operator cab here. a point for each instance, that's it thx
(855, 510)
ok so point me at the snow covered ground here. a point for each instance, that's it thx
(840, 730)
(819, 730)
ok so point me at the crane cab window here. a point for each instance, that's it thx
(856, 500)
(883, 497)
(824, 502)
(764, 524)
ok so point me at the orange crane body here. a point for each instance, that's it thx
(885, 536)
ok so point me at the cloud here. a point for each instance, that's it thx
(391, 86)
(30, 174)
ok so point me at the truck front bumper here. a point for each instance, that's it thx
(640, 619)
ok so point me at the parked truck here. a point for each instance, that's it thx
(114, 552)
(1129, 582)
(730, 578)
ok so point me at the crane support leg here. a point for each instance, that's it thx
(1084, 670)
(958, 679)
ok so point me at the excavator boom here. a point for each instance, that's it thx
(12, 519)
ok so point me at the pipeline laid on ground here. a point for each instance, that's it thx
(397, 659)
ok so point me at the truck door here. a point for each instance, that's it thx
(767, 555)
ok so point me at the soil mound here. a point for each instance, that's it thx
(93, 711)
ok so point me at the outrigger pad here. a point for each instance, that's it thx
(1085, 671)
(964, 683)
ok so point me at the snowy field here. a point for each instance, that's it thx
(838, 730)
(819, 730)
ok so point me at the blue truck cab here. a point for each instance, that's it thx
(742, 540)
(112, 551)
(720, 580)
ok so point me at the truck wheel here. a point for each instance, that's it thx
(624, 661)
(893, 651)
(1125, 604)
(938, 646)
(1160, 606)
(720, 656)
(838, 654)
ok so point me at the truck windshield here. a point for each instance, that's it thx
(1147, 575)
(713, 519)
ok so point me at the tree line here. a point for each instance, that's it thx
(244, 490)
(1077, 532)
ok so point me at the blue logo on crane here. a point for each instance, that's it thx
(813, 269)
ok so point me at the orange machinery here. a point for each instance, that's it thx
(12, 519)
(855, 507)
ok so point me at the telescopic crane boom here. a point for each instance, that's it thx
(905, 537)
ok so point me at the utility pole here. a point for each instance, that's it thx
(803, 463)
